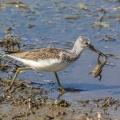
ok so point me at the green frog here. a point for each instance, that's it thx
(98, 69)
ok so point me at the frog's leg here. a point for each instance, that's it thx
(100, 77)
(90, 72)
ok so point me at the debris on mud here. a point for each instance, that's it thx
(16, 4)
(23, 93)
(72, 17)
(63, 103)
(101, 102)
(82, 6)
(32, 101)
(108, 38)
(30, 26)
(11, 42)
(100, 24)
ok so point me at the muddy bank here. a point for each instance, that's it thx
(27, 102)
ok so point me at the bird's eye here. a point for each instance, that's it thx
(86, 43)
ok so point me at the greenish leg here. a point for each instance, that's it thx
(60, 95)
(16, 74)
(59, 84)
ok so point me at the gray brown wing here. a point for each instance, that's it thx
(44, 53)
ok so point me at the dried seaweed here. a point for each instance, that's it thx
(16, 4)
(11, 42)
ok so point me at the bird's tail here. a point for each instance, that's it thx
(2, 54)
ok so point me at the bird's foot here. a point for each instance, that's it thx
(62, 89)
(9, 89)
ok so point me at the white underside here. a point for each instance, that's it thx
(49, 65)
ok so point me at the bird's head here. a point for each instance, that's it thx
(84, 43)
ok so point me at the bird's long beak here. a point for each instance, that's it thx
(91, 47)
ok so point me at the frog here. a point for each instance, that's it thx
(98, 69)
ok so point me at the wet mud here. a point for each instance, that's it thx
(25, 101)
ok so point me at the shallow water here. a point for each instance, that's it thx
(52, 29)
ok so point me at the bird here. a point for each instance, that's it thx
(51, 59)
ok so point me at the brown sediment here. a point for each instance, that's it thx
(35, 103)
(11, 42)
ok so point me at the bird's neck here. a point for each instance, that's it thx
(77, 49)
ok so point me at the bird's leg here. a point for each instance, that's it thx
(16, 74)
(60, 94)
(59, 84)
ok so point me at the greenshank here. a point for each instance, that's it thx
(51, 59)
